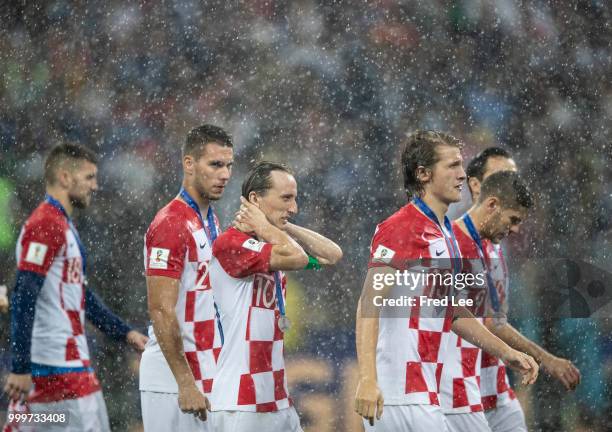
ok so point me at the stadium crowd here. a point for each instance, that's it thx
(328, 89)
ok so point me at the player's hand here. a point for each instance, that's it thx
(18, 386)
(563, 370)
(249, 217)
(191, 400)
(4, 302)
(137, 340)
(522, 363)
(369, 400)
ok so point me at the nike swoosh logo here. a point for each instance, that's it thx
(202, 246)
(439, 253)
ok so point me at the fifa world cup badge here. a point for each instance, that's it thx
(284, 324)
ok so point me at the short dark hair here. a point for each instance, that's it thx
(259, 178)
(66, 151)
(476, 167)
(419, 149)
(509, 187)
(198, 137)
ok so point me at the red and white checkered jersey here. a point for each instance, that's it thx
(177, 247)
(494, 385)
(411, 350)
(47, 246)
(460, 388)
(251, 369)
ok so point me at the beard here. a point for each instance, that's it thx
(78, 202)
(493, 231)
(205, 194)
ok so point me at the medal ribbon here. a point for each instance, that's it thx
(279, 293)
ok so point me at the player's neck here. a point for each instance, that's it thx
(478, 217)
(200, 201)
(62, 196)
(438, 207)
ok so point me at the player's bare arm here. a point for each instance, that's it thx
(286, 254)
(326, 251)
(559, 368)
(368, 398)
(469, 328)
(162, 295)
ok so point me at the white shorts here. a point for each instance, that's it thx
(161, 413)
(467, 422)
(285, 420)
(507, 418)
(409, 418)
(85, 414)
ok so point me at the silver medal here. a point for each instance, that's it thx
(283, 323)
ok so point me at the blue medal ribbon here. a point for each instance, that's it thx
(279, 293)
(451, 242)
(211, 234)
(58, 205)
(469, 224)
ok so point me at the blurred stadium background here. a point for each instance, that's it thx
(327, 87)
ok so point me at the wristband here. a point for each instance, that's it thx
(313, 263)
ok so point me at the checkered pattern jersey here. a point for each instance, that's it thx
(251, 369)
(460, 388)
(494, 385)
(410, 351)
(48, 247)
(177, 247)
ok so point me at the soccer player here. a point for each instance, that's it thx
(500, 209)
(178, 364)
(402, 358)
(51, 301)
(246, 272)
(502, 410)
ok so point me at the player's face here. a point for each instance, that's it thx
(83, 182)
(212, 170)
(279, 202)
(447, 175)
(503, 222)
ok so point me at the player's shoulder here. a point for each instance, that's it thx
(46, 213)
(407, 224)
(233, 238)
(170, 217)
(46, 218)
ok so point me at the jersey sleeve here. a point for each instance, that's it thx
(40, 242)
(390, 249)
(165, 248)
(241, 255)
